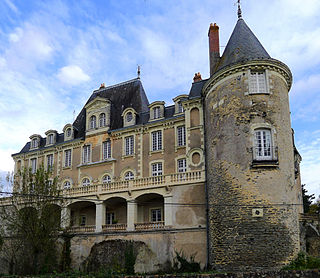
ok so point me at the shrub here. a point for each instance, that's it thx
(302, 262)
(184, 265)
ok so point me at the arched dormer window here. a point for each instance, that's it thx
(129, 117)
(51, 137)
(93, 122)
(35, 141)
(178, 103)
(102, 120)
(68, 132)
(156, 110)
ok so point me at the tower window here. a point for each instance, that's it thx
(262, 144)
(257, 82)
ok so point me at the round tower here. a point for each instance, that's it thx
(254, 200)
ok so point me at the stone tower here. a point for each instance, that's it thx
(254, 197)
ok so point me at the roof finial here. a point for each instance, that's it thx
(138, 72)
(239, 10)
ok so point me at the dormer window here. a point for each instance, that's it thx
(156, 112)
(178, 107)
(34, 143)
(258, 82)
(68, 132)
(129, 117)
(50, 139)
(93, 122)
(102, 120)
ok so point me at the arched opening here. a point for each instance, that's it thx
(82, 216)
(150, 211)
(194, 117)
(116, 214)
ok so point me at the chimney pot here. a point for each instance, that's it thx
(197, 77)
(102, 86)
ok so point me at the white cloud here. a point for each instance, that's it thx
(72, 75)
(16, 35)
(11, 6)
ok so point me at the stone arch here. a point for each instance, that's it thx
(82, 213)
(194, 117)
(150, 207)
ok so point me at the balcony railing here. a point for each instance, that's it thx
(114, 227)
(81, 229)
(149, 226)
(148, 182)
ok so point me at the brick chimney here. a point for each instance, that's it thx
(214, 47)
(197, 77)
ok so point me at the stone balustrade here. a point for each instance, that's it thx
(149, 226)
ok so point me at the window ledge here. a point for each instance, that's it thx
(128, 155)
(157, 151)
(66, 167)
(264, 163)
(96, 163)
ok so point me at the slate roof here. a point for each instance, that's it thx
(242, 46)
(196, 88)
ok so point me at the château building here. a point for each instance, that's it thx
(215, 175)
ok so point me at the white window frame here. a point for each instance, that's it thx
(156, 169)
(181, 136)
(49, 162)
(102, 120)
(93, 122)
(181, 165)
(34, 143)
(67, 157)
(86, 154)
(158, 215)
(110, 217)
(85, 182)
(129, 175)
(33, 163)
(68, 132)
(156, 140)
(180, 107)
(156, 112)
(106, 179)
(263, 146)
(258, 83)
(106, 150)
(67, 184)
(129, 145)
(50, 139)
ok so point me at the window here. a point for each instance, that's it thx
(34, 143)
(66, 184)
(93, 122)
(68, 132)
(182, 165)
(181, 132)
(262, 144)
(129, 176)
(129, 145)
(156, 140)
(156, 169)
(67, 158)
(86, 154)
(49, 162)
(129, 116)
(156, 112)
(83, 220)
(110, 218)
(102, 120)
(50, 139)
(106, 179)
(106, 149)
(33, 165)
(156, 215)
(85, 182)
(180, 107)
(258, 82)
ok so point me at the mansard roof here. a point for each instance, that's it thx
(243, 46)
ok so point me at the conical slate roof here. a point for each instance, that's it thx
(243, 46)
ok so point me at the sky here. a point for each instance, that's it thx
(53, 54)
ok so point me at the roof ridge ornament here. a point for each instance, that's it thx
(239, 10)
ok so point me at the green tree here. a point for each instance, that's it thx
(31, 221)
(307, 199)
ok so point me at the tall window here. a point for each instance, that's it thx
(34, 143)
(129, 176)
(156, 215)
(50, 139)
(68, 132)
(85, 182)
(262, 144)
(180, 107)
(49, 162)
(181, 135)
(182, 165)
(258, 82)
(106, 149)
(110, 218)
(156, 140)
(67, 158)
(129, 145)
(86, 154)
(156, 112)
(33, 165)
(106, 179)
(93, 122)
(129, 116)
(156, 169)
(102, 120)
